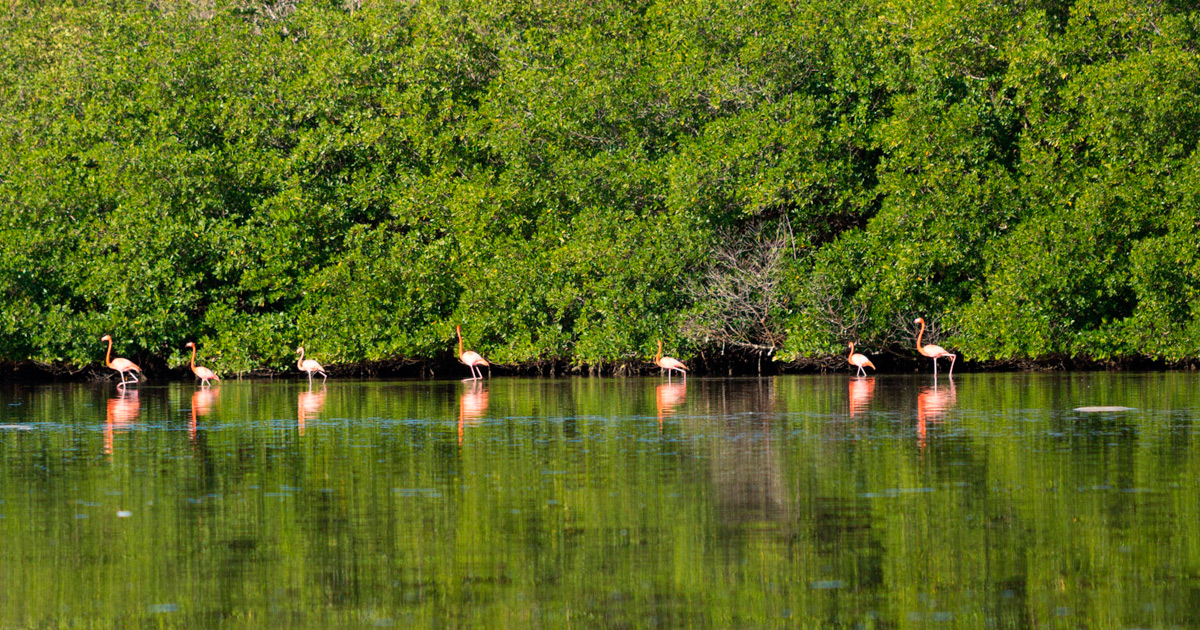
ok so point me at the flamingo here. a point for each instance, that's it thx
(668, 363)
(204, 374)
(470, 358)
(120, 365)
(860, 361)
(310, 366)
(932, 351)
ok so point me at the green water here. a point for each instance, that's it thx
(813, 501)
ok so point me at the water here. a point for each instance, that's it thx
(811, 501)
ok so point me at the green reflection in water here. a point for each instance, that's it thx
(793, 501)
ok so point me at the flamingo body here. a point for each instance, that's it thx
(470, 358)
(860, 361)
(122, 366)
(205, 374)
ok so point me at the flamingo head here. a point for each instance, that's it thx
(300, 349)
(918, 321)
(851, 346)
(106, 338)
(189, 345)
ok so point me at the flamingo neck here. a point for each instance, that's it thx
(658, 356)
(920, 334)
(458, 331)
(193, 358)
(851, 349)
(108, 356)
(300, 361)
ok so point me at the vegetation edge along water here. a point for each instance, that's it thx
(574, 181)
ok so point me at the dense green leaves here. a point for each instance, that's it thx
(558, 177)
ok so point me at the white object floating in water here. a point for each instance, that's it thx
(1100, 409)
(16, 427)
(124, 513)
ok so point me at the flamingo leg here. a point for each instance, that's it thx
(953, 357)
(133, 377)
(935, 367)
(324, 377)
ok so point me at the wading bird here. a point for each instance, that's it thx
(204, 374)
(469, 358)
(120, 365)
(932, 351)
(310, 366)
(860, 361)
(668, 363)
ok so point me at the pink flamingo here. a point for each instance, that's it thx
(860, 361)
(120, 365)
(932, 351)
(470, 358)
(310, 366)
(204, 374)
(668, 363)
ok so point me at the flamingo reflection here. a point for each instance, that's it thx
(122, 412)
(471, 406)
(202, 404)
(932, 404)
(667, 397)
(862, 390)
(309, 405)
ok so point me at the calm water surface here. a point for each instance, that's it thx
(812, 501)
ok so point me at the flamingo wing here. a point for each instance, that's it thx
(934, 351)
(471, 357)
(671, 364)
(204, 373)
(311, 366)
(124, 365)
(861, 360)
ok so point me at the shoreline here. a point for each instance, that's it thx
(32, 372)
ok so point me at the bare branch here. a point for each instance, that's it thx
(739, 296)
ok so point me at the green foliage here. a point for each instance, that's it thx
(360, 177)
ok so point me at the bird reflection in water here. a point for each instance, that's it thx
(667, 397)
(202, 404)
(932, 404)
(309, 405)
(471, 406)
(122, 412)
(862, 390)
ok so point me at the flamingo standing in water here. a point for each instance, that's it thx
(470, 358)
(932, 351)
(860, 361)
(668, 363)
(310, 366)
(204, 374)
(120, 365)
